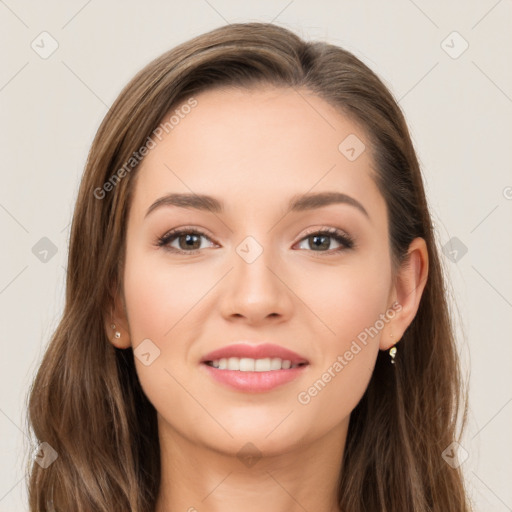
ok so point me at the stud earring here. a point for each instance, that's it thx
(117, 333)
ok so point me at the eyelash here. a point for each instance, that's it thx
(339, 236)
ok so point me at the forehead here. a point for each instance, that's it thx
(258, 147)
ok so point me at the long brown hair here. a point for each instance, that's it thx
(86, 401)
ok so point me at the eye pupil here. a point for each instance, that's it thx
(190, 239)
(317, 237)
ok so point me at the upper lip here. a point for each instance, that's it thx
(259, 351)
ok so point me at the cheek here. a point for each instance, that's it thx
(331, 395)
(345, 301)
(348, 302)
(166, 303)
(161, 302)
(159, 296)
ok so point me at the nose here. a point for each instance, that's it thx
(256, 289)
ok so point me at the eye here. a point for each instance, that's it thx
(188, 240)
(320, 240)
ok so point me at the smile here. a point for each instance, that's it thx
(247, 364)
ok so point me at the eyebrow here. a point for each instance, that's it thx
(297, 203)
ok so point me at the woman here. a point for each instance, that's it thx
(255, 305)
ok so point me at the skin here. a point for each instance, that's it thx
(254, 149)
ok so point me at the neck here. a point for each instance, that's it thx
(197, 478)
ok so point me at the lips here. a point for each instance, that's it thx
(253, 368)
(260, 351)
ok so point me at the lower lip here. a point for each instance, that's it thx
(254, 382)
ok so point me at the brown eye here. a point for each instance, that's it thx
(188, 240)
(321, 241)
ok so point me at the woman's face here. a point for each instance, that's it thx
(252, 271)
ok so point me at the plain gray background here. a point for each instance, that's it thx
(457, 101)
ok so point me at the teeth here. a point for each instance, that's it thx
(247, 364)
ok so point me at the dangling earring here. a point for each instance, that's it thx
(392, 354)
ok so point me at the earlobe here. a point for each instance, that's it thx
(118, 336)
(410, 283)
(116, 329)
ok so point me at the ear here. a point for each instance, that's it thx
(406, 293)
(117, 317)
